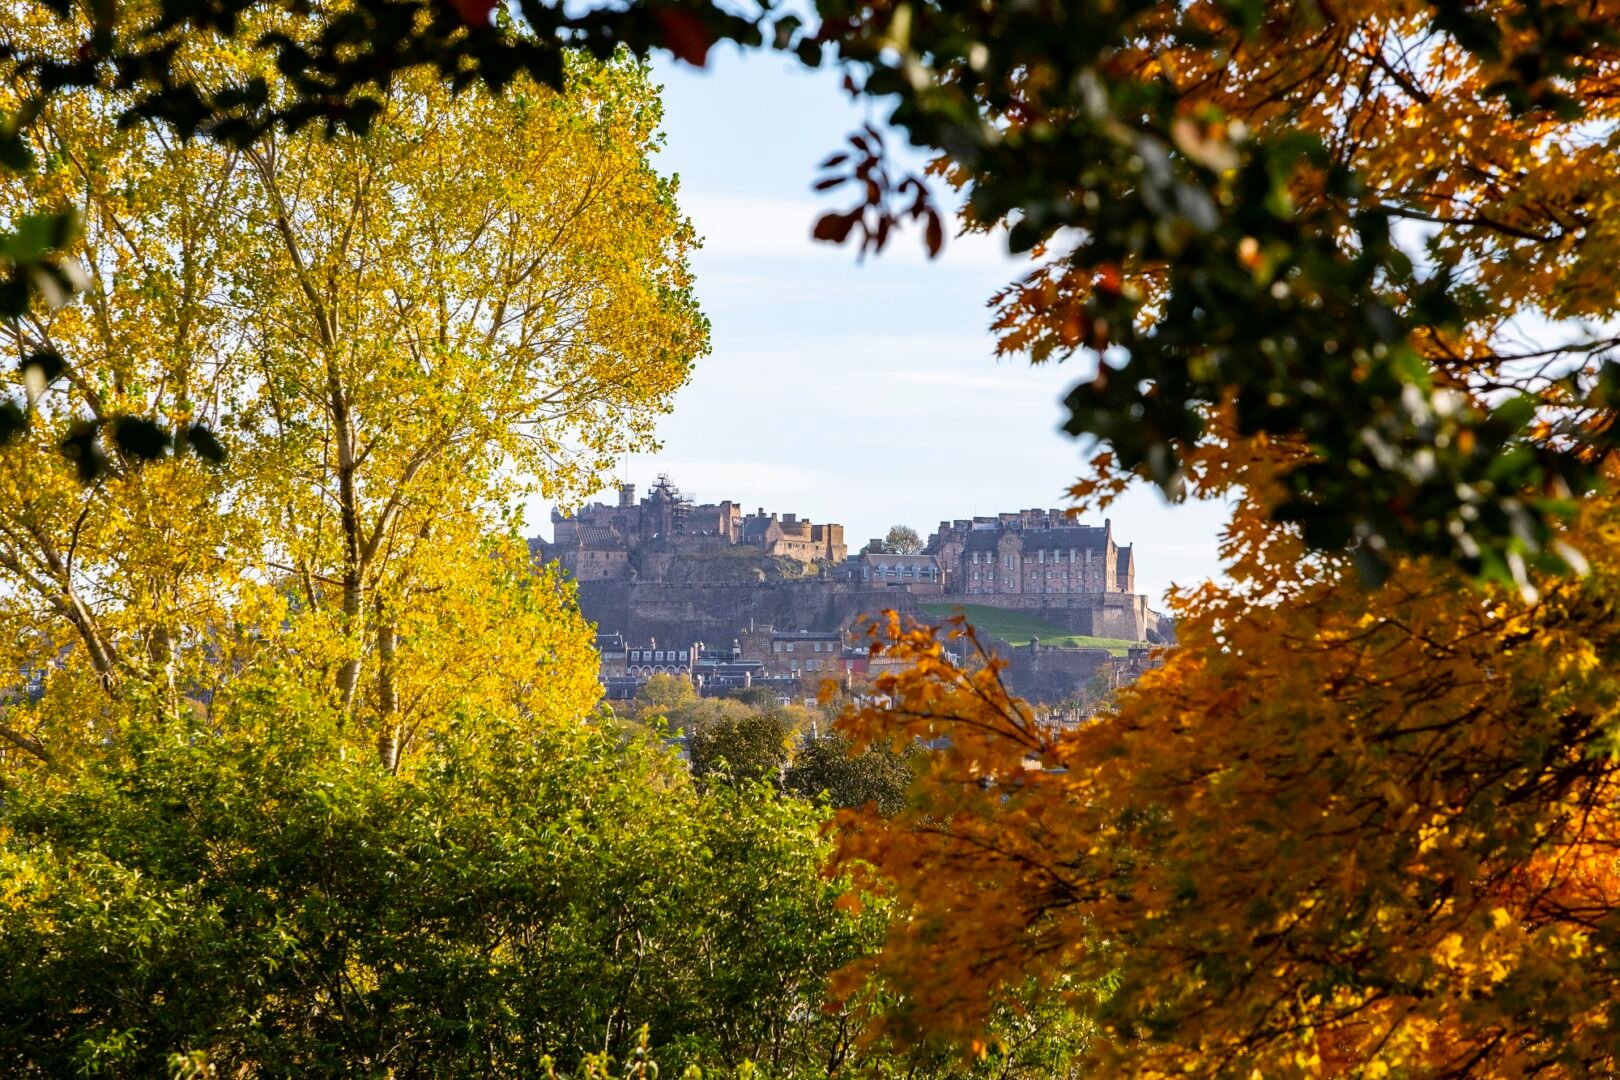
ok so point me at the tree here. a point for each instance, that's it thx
(389, 365)
(1233, 247)
(242, 894)
(665, 696)
(902, 540)
(828, 766)
(1338, 832)
(738, 744)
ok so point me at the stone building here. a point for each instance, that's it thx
(790, 652)
(600, 543)
(1042, 560)
(917, 573)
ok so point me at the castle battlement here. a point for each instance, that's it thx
(598, 543)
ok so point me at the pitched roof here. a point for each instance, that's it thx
(597, 537)
(897, 560)
(1080, 538)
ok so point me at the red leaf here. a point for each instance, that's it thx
(684, 35)
(833, 228)
(474, 12)
(934, 235)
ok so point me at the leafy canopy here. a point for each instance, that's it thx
(1209, 187)
(1339, 831)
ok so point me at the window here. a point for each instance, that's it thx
(790, 646)
(776, 646)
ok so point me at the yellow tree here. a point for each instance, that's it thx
(129, 572)
(397, 338)
(483, 297)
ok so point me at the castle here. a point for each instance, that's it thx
(663, 568)
(1031, 553)
(600, 542)
(1042, 560)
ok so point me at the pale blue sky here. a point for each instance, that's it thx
(864, 394)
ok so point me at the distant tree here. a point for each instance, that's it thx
(902, 540)
(729, 742)
(757, 697)
(663, 695)
(830, 764)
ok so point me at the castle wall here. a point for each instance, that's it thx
(720, 612)
(1047, 675)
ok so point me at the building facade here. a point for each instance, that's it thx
(920, 573)
(1042, 561)
(1031, 553)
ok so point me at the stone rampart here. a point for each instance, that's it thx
(681, 612)
(1111, 615)
(1045, 674)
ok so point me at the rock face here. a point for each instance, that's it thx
(1049, 675)
(681, 611)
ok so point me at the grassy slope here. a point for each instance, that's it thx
(1016, 627)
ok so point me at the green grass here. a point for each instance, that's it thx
(1017, 627)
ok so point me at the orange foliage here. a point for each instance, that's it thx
(1516, 196)
(1336, 833)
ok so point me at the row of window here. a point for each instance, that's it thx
(815, 646)
(1038, 557)
(656, 656)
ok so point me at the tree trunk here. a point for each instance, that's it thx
(387, 695)
(348, 679)
(101, 654)
(160, 652)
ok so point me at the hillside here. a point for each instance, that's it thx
(1017, 627)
